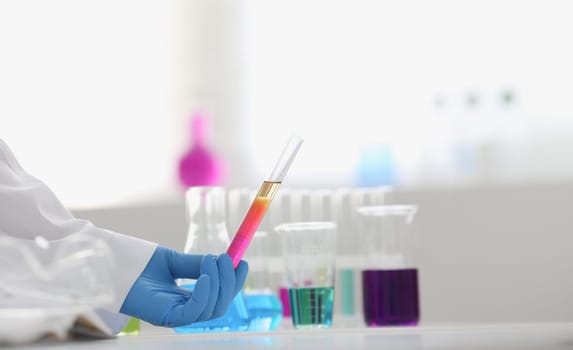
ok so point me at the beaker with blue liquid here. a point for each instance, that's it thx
(263, 305)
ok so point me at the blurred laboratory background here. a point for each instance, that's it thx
(462, 108)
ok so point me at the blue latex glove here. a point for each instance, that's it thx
(156, 298)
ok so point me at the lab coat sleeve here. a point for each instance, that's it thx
(28, 208)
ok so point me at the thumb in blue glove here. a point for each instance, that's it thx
(156, 298)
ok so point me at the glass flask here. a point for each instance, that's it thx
(199, 165)
(208, 234)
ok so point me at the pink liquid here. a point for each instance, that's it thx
(284, 296)
(199, 166)
(252, 221)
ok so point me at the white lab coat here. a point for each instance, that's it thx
(28, 208)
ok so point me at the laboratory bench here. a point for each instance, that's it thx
(546, 336)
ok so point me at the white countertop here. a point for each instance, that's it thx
(546, 336)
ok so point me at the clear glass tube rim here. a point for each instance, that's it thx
(306, 226)
(408, 210)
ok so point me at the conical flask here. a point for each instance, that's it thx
(207, 229)
(208, 234)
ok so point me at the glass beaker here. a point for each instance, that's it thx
(390, 277)
(345, 201)
(309, 253)
(263, 305)
(208, 235)
(277, 214)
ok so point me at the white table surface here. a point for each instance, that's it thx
(545, 336)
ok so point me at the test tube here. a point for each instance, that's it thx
(262, 201)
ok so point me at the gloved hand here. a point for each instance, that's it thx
(156, 298)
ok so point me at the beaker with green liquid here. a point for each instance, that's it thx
(309, 250)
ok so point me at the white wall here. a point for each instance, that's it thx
(495, 254)
(90, 108)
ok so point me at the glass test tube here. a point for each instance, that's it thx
(262, 201)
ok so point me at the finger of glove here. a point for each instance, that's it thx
(240, 276)
(209, 268)
(226, 284)
(190, 311)
(184, 265)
